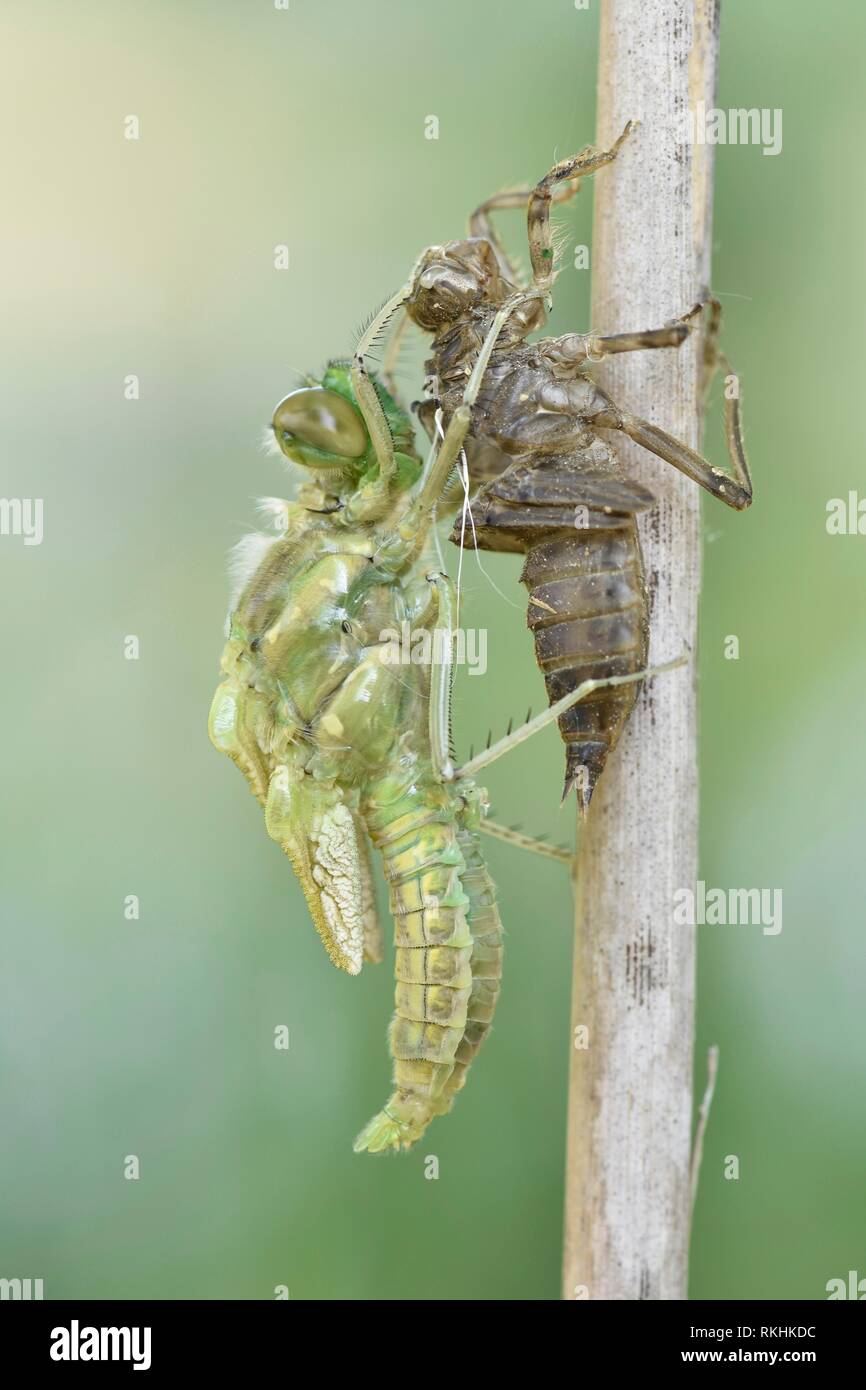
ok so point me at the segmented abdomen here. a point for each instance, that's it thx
(447, 936)
(588, 608)
(588, 613)
(485, 962)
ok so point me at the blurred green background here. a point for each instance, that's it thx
(154, 1037)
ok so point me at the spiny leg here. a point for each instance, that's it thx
(538, 217)
(516, 838)
(548, 716)
(365, 392)
(480, 224)
(392, 354)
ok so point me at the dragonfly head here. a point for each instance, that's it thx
(453, 279)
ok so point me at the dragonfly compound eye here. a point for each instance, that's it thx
(316, 416)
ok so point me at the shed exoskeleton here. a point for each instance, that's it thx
(553, 486)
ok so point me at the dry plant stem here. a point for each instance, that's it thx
(630, 1093)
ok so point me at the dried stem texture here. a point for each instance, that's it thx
(630, 1091)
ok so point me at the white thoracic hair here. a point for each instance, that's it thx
(244, 560)
(247, 555)
(274, 511)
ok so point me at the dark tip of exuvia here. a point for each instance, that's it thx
(584, 795)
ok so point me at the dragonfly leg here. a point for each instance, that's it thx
(670, 335)
(481, 225)
(533, 726)
(365, 392)
(521, 841)
(442, 675)
(538, 217)
(734, 488)
(711, 357)
(392, 354)
(577, 348)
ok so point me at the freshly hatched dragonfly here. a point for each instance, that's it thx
(554, 488)
(340, 743)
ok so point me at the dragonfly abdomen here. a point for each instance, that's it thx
(588, 614)
(423, 863)
(485, 963)
(588, 607)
